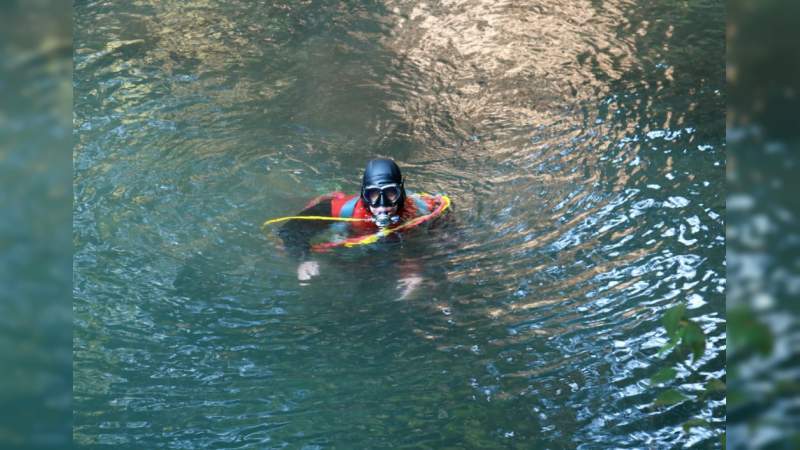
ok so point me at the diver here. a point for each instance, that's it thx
(382, 206)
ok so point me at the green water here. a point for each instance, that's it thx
(582, 145)
(35, 233)
(762, 232)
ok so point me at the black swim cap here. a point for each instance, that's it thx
(380, 172)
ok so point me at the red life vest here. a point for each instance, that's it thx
(353, 206)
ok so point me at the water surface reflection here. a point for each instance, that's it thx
(583, 148)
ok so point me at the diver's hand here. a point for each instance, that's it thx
(407, 285)
(306, 270)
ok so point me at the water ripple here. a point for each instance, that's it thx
(587, 202)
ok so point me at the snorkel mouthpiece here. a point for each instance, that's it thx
(383, 220)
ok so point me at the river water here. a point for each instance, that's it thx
(582, 145)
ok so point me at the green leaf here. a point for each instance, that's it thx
(663, 375)
(672, 320)
(689, 424)
(670, 397)
(747, 334)
(667, 347)
(694, 339)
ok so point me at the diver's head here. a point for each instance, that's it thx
(382, 190)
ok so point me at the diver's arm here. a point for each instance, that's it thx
(297, 234)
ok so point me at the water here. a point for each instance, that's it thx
(582, 145)
(762, 232)
(35, 233)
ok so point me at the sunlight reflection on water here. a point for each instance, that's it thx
(587, 192)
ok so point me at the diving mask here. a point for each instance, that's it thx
(385, 195)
